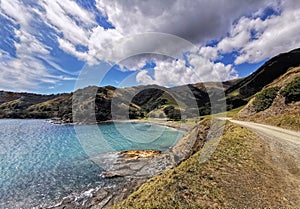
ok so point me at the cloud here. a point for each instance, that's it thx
(27, 71)
(15, 11)
(277, 34)
(70, 48)
(255, 39)
(196, 21)
(68, 18)
(144, 78)
(22, 74)
(28, 44)
(207, 70)
(177, 72)
(215, 27)
(234, 43)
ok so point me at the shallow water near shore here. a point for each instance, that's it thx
(42, 162)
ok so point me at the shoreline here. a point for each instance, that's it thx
(167, 123)
(127, 173)
(137, 170)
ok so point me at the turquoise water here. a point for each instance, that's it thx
(42, 162)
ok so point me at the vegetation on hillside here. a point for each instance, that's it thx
(278, 108)
(264, 99)
(291, 91)
(288, 120)
(155, 101)
(99, 102)
(266, 74)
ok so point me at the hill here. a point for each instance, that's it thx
(246, 170)
(266, 74)
(99, 102)
(12, 105)
(277, 103)
(95, 104)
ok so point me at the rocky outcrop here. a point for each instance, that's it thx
(101, 197)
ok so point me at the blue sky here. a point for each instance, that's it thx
(47, 45)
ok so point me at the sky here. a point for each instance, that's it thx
(46, 46)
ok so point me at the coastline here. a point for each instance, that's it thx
(167, 123)
(131, 173)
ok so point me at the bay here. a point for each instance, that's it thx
(41, 162)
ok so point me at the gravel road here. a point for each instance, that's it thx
(284, 151)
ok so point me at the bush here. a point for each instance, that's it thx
(291, 91)
(264, 99)
(172, 113)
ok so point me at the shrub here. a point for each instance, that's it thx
(172, 113)
(264, 99)
(291, 91)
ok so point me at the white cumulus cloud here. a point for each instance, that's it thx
(177, 72)
(234, 26)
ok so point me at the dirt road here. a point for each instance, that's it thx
(293, 137)
(286, 141)
(284, 151)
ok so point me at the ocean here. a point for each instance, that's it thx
(41, 162)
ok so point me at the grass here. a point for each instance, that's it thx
(232, 113)
(232, 178)
(11, 103)
(234, 93)
(289, 120)
(193, 121)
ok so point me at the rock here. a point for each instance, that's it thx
(117, 173)
(101, 194)
(109, 175)
(66, 200)
(104, 202)
(136, 154)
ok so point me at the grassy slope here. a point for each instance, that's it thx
(193, 121)
(279, 114)
(289, 120)
(236, 176)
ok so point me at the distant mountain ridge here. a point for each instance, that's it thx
(150, 101)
